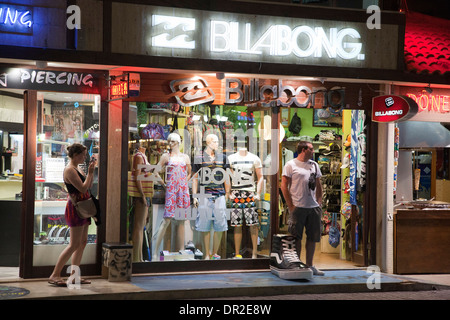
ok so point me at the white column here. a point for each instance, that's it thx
(385, 196)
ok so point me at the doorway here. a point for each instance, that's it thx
(53, 121)
(340, 142)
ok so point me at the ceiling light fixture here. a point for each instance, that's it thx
(41, 64)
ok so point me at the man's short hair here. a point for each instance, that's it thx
(302, 145)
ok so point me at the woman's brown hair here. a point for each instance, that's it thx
(74, 149)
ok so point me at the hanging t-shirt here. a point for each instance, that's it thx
(286, 155)
(299, 172)
(244, 168)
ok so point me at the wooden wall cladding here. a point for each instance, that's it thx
(155, 87)
(421, 241)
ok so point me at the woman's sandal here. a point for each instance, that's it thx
(58, 283)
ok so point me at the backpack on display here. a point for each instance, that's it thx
(296, 124)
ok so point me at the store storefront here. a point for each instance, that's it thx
(418, 143)
(60, 107)
(243, 78)
(254, 131)
(413, 156)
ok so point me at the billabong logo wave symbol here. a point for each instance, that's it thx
(173, 32)
(189, 92)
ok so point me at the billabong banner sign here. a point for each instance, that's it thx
(392, 108)
(34, 79)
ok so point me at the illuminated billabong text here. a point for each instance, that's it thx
(240, 38)
(282, 40)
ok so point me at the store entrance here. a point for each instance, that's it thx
(343, 181)
(63, 119)
(53, 122)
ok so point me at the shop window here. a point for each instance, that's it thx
(423, 161)
(11, 173)
(62, 119)
(11, 146)
(201, 154)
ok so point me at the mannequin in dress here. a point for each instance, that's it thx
(245, 166)
(214, 206)
(177, 167)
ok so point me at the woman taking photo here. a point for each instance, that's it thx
(78, 186)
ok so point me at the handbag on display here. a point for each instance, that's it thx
(167, 130)
(133, 191)
(153, 131)
(85, 208)
(334, 232)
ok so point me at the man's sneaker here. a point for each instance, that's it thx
(215, 257)
(284, 261)
(284, 254)
(316, 272)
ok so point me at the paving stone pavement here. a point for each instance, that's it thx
(392, 295)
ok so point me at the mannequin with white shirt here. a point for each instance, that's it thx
(245, 191)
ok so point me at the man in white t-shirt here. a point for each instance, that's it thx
(302, 190)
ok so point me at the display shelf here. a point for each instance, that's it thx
(53, 141)
(170, 112)
(47, 254)
(44, 207)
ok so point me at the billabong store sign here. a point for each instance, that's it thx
(246, 38)
(392, 108)
(236, 92)
(201, 34)
(196, 90)
(49, 80)
(192, 91)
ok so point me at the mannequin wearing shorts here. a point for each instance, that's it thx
(245, 166)
(178, 169)
(212, 195)
(141, 204)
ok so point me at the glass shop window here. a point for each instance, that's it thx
(204, 192)
(62, 119)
